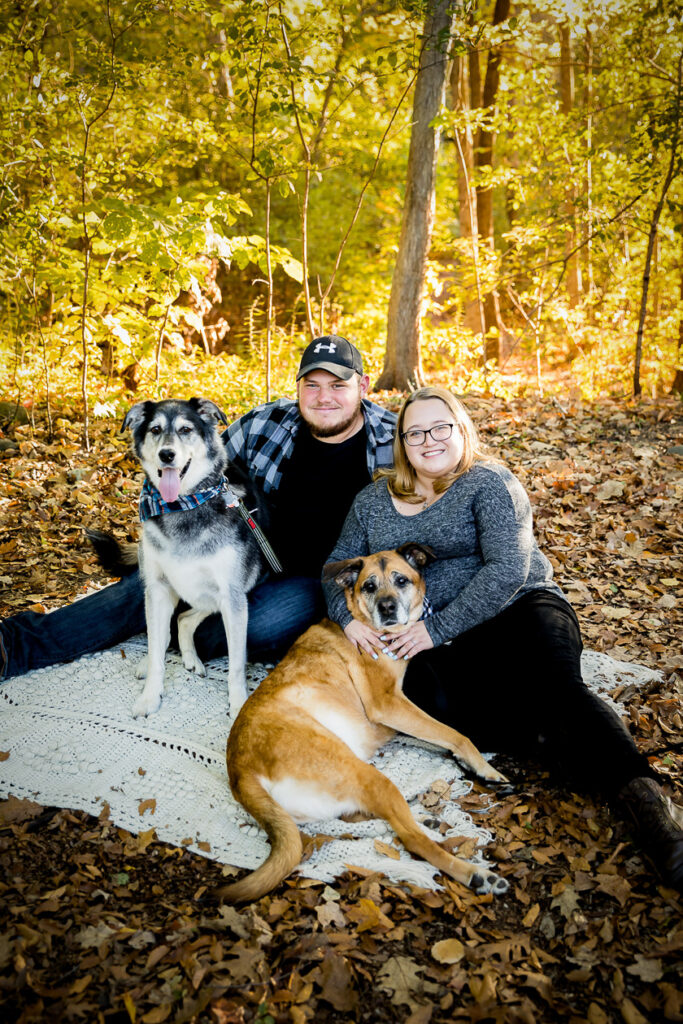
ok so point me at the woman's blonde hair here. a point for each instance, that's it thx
(401, 477)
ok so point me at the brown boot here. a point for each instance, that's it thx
(659, 825)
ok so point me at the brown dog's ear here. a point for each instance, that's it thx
(136, 414)
(344, 573)
(417, 555)
(208, 410)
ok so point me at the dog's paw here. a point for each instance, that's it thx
(141, 668)
(484, 881)
(193, 663)
(146, 704)
(491, 774)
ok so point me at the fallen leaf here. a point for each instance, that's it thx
(366, 915)
(147, 805)
(531, 915)
(567, 901)
(615, 886)
(245, 962)
(231, 918)
(336, 983)
(646, 968)
(448, 951)
(387, 851)
(80, 985)
(143, 839)
(610, 489)
(484, 989)
(130, 1006)
(331, 914)
(400, 978)
(157, 954)
(157, 1015)
(94, 935)
(14, 810)
(596, 1015)
(631, 1013)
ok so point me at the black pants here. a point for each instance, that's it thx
(513, 685)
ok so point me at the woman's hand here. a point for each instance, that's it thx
(365, 638)
(410, 642)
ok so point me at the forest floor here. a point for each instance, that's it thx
(101, 925)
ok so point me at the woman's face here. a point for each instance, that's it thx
(430, 457)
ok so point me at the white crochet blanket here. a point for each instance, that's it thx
(72, 742)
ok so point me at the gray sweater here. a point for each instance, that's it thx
(481, 531)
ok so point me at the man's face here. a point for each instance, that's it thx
(331, 406)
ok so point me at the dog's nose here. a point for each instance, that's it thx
(386, 606)
(166, 455)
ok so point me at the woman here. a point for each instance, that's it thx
(498, 658)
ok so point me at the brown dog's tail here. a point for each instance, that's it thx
(116, 559)
(286, 847)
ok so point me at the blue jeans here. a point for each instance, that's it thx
(279, 611)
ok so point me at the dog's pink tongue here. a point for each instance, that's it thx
(169, 486)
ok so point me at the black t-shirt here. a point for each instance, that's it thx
(319, 481)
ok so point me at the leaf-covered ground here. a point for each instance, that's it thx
(101, 925)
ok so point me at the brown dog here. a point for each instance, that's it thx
(298, 749)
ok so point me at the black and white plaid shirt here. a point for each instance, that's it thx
(263, 439)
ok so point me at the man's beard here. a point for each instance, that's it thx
(332, 429)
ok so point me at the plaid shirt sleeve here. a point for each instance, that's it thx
(262, 439)
(380, 425)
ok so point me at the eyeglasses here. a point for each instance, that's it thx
(441, 432)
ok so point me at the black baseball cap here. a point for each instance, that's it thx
(331, 353)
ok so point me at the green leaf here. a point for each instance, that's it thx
(117, 227)
(293, 268)
(101, 246)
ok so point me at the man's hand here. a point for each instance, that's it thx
(365, 638)
(410, 642)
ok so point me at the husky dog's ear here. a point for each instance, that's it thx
(208, 410)
(344, 573)
(136, 414)
(417, 555)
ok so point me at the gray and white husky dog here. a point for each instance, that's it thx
(195, 545)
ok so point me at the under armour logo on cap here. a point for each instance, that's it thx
(331, 353)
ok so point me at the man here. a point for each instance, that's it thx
(310, 458)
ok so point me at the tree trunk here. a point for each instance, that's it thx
(495, 331)
(402, 368)
(654, 223)
(680, 316)
(589, 160)
(567, 100)
(461, 100)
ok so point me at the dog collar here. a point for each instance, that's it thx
(152, 505)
